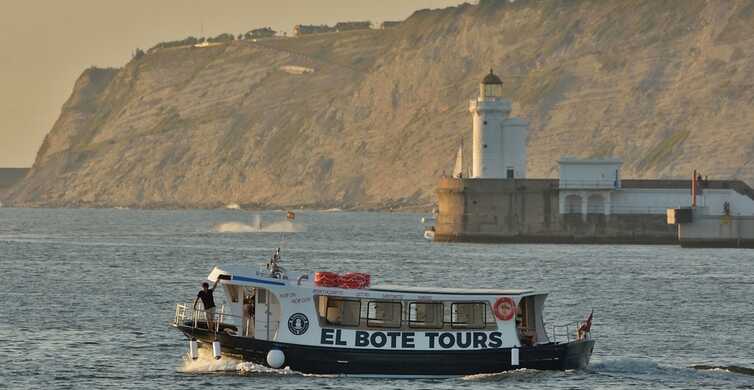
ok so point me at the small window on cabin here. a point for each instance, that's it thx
(425, 315)
(234, 292)
(384, 314)
(489, 316)
(339, 311)
(468, 315)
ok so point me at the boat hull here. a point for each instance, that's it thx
(411, 363)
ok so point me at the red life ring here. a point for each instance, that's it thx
(353, 280)
(504, 308)
(326, 279)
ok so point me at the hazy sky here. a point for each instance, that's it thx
(47, 44)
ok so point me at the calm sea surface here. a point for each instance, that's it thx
(88, 296)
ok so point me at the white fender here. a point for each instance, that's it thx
(216, 351)
(193, 349)
(275, 358)
(514, 357)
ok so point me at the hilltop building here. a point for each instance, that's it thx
(390, 24)
(350, 26)
(264, 32)
(588, 203)
(306, 29)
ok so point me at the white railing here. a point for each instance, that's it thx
(185, 315)
(589, 184)
(618, 209)
(568, 332)
(194, 316)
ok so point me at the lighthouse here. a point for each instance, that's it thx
(499, 141)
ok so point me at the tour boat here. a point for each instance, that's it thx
(340, 324)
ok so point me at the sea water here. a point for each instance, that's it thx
(88, 296)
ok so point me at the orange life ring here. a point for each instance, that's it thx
(504, 309)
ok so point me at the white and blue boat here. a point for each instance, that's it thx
(286, 319)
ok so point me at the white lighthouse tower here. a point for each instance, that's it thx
(499, 141)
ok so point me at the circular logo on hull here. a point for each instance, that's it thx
(298, 324)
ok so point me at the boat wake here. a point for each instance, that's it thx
(256, 226)
(249, 368)
(515, 375)
(206, 364)
(648, 371)
(730, 369)
(647, 366)
(626, 366)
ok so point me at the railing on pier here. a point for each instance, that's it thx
(589, 184)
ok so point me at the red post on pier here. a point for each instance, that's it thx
(693, 189)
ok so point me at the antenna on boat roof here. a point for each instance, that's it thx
(290, 216)
(274, 265)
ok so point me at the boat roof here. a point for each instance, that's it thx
(453, 291)
(245, 274)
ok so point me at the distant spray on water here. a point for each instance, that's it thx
(256, 225)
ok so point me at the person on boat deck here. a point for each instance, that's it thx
(248, 311)
(208, 301)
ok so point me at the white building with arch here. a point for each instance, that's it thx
(594, 187)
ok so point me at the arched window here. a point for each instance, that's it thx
(572, 204)
(595, 204)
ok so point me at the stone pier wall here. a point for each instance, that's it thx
(707, 231)
(527, 211)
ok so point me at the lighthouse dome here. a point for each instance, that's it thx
(491, 78)
(491, 86)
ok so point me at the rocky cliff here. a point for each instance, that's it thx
(372, 118)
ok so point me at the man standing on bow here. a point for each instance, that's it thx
(208, 301)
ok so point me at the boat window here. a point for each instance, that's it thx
(384, 314)
(525, 326)
(425, 315)
(262, 296)
(339, 311)
(234, 292)
(489, 317)
(468, 315)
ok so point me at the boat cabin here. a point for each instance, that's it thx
(291, 308)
